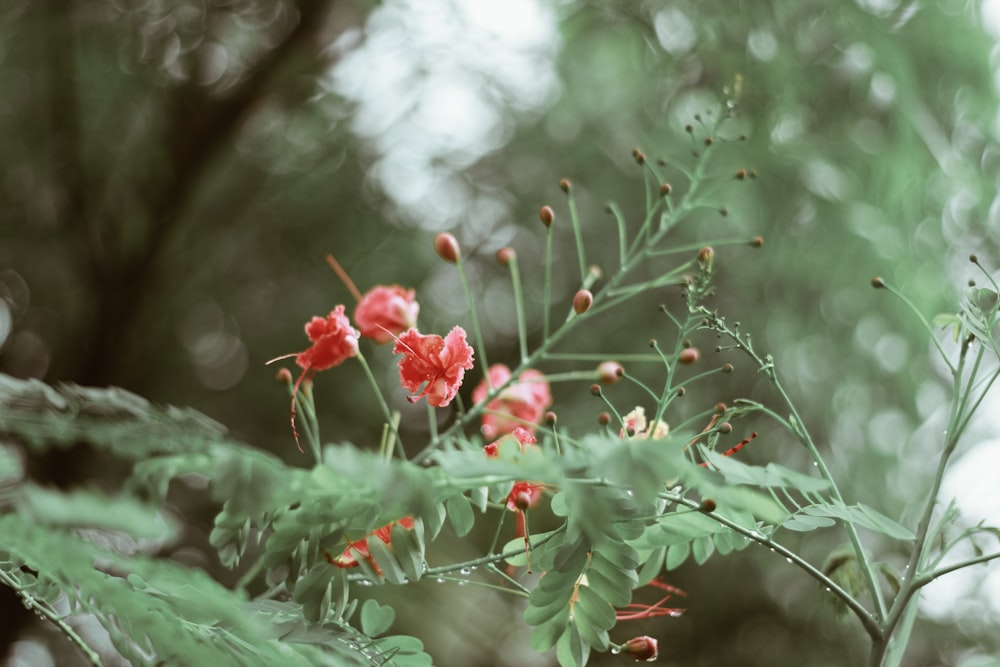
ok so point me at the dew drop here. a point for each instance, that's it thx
(466, 571)
(653, 659)
(616, 650)
(461, 583)
(788, 560)
(675, 613)
(440, 580)
(827, 589)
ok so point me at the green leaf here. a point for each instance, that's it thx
(460, 515)
(570, 649)
(861, 515)
(376, 618)
(384, 558)
(677, 554)
(408, 549)
(806, 522)
(702, 549)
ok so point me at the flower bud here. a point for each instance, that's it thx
(639, 156)
(706, 257)
(878, 283)
(757, 241)
(284, 376)
(720, 408)
(708, 505)
(446, 246)
(725, 428)
(522, 501)
(974, 259)
(582, 301)
(595, 389)
(565, 185)
(688, 355)
(604, 418)
(709, 141)
(666, 189)
(610, 372)
(741, 174)
(550, 418)
(505, 256)
(547, 215)
(727, 368)
(640, 648)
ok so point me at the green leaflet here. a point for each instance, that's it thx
(860, 515)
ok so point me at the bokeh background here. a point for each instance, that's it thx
(172, 173)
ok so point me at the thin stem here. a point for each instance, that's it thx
(522, 335)
(474, 318)
(344, 278)
(577, 234)
(923, 320)
(386, 413)
(547, 294)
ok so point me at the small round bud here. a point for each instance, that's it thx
(972, 283)
(708, 505)
(681, 391)
(720, 408)
(610, 372)
(666, 189)
(741, 174)
(550, 418)
(284, 376)
(604, 418)
(639, 156)
(706, 257)
(522, 501)
(727, 368)
(757, 241)
(723, 211)
(446, 247)
(752, 173)
(743, 137)
(565, 185)
(582, 301)
(652, 342)
(595, 389)
(878, 283)
(505, 256)
(640, 648)
(688, 356)
(725, 428)
(689, 129)
(974, 259)
(546, 215)
(709, 141)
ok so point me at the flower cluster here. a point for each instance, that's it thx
(518, 404)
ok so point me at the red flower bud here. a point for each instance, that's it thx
(878, 283)
(640, 648)
(639, 156)
(708, 505)
(610, 372)
(688, 355)
(604, 418)
(665, 189)
(565, 185)
(757, 241)
(725, 428)
(595, 389)
(547, 215)
(505, 256)
(741, 174)
(582, 301)
(446, 247)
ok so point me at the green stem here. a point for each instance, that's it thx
(522, 335)
(577, 234)
(474, 319)
(382, 404)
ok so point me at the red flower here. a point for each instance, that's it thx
(384, 312)
(333, 341)
(359, 548)
(640, 648)
(522, 403)
(523, 436)
(434, 363)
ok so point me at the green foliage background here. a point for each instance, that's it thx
(162, 229)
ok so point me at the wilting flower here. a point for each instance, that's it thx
(384, 312)
(434, 363)
(523, 403)
(334, 340)
(640, 648)
(523, 436)
(359, 548)
(635, 424)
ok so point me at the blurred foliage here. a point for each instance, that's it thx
(172, 174)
